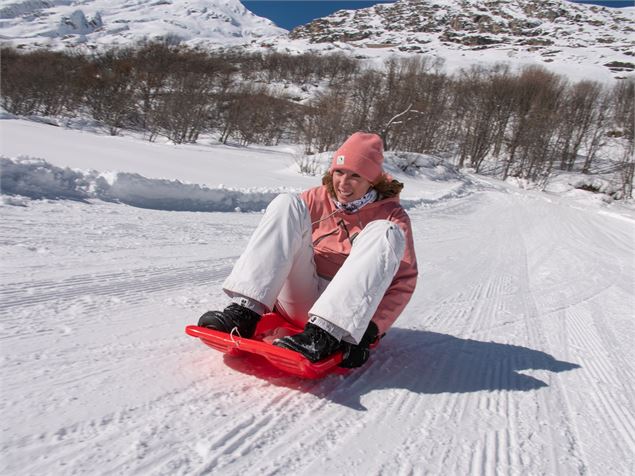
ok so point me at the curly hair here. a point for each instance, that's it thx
(386, 187)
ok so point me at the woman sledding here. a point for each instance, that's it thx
(338, 260)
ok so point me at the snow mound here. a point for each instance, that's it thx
(25, 178)
(422, 165)
(37, 179)
(396, 163)
(78, 24)
(414, 169)
(567, 184)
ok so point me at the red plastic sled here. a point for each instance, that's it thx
(271, 326)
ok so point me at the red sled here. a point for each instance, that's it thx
(271, 326)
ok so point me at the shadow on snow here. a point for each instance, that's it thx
(424, 363)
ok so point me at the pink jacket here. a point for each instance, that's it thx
(332, 246)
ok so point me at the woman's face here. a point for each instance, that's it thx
(349, 186)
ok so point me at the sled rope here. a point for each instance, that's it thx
(231, 336)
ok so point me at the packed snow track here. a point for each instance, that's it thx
(514, 356)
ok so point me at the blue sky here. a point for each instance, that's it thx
(290, 13)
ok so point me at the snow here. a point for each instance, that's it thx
(205, 177)
(581, 49)
(59, 24)
(514, 356)
(582, 42)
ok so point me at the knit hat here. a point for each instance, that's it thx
(363, 154)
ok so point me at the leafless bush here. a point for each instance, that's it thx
(581, 117)
(253, 114)
(623, 97)
(520, 124)
(110, 88)
(325, 123)
(483, 110)
(40, 82)
(308, 164)
(153, 67)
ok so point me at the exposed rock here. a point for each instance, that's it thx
(476, 23)
(620, 66)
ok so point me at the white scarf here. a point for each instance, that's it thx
(355, 206)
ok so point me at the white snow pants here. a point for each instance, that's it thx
(277, 268)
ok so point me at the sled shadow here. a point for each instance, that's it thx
(422, 362)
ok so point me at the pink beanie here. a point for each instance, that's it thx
(363, 154)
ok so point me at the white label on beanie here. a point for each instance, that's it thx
(340, 160)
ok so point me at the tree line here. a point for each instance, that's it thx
(523, 124)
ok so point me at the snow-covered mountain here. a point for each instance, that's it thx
(574, 39)
(475, 23)
(59, 24)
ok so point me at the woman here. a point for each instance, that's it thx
(338, 260)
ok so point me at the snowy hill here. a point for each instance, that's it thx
(59, 24)
(577, 40)
(514, 356)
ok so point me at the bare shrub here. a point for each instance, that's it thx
(109, 88)
(623, 97)
(40, 82)
(308, 164)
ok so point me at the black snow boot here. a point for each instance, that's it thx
(314, 343)
(234, 315)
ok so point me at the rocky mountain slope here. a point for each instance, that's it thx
(543, 31)
(576, 40)
(475, 23)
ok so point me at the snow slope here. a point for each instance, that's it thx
(514, 356)
(60, 24)
(578, 41)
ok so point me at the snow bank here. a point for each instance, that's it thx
(396, 163)
(138, 191)
(422, 165)
(37, 179)
(26, 178)
(570, 185)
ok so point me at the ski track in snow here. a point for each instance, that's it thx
(514, 356)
